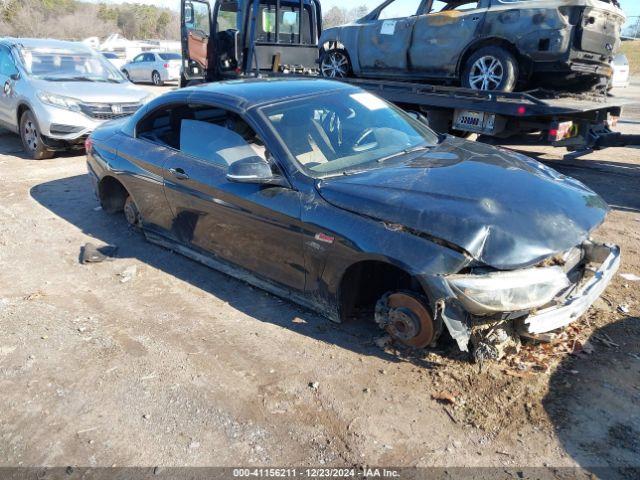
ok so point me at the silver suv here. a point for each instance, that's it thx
(54, 94)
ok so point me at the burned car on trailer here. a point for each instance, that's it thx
(484, 45)
(329, 196)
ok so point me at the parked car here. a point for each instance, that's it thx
(327, 195)
(154, 67)
(481, 44)
(621, 72)
(114, 59)
(55, 93)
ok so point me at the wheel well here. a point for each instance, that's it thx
(21, 109)
(112, 195)
(365, 282)
(333, 45)
(489, 42)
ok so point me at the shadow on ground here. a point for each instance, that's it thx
(594, 403)
(73, 199)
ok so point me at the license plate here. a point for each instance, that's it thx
(477, 122)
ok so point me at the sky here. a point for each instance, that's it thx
(631, 7)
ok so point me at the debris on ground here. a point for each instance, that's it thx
(631, 277)
(90, 253)
(128, 273)
(383, 342)
(623, 309)
(494, 342)
(445, 397)
(314, 385)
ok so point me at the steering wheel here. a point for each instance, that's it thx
(357, 146)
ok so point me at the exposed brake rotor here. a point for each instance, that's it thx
(405, 317)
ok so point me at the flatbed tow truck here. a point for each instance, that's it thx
(248, 38)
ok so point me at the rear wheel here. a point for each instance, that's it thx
(156, 79)
(335, 64)
(131, 213)
(31, 138)
(491, 69)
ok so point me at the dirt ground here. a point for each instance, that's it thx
(154, 360)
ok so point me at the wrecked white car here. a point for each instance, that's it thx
(483, 45)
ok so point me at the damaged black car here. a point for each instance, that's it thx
(326, 195)
(480, 44)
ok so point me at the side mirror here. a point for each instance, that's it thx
(15, 76)
(254, 170)
(188, 13)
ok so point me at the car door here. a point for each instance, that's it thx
(134, 67)
(8, 97)
(441, 36)
(146, 67)
(255, 227)
(195, 32)
(385, 36)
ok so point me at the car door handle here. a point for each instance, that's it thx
(179, 173)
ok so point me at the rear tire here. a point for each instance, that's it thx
(31, 138)
(491, 69)
(156, 79)
(335, 63)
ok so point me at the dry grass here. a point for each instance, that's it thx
(632, 51)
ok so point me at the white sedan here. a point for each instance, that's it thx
(621, 71)
(154, 67)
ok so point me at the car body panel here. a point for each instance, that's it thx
(431, 213)
(505, 210)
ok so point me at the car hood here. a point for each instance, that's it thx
(502, 208)
(94, 92)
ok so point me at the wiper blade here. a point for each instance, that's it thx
(406, 151)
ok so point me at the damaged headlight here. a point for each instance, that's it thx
(508, 291)
(59, 101)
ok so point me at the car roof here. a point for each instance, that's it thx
(46, 43)
(248, 93)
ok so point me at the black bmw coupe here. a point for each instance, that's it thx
(325, 194)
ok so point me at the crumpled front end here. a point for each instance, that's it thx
(530, 302)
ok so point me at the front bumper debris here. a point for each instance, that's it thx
(607, 257)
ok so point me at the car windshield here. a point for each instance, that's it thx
(60, 65)
(170, 56)
(344, 132)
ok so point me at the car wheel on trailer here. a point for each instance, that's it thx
(156, 79)
(31, 138)
(131, 213)
(335, 63)
(406, 317)
(491, 69)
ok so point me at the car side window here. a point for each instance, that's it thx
(138, 58)
(212, 135)
(148, 57)
(400, 9)
(7, 65)
(439, 6)
(219, 137)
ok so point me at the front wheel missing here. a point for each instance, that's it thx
(406, 318)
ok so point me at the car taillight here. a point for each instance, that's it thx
(166, 65)
(88, 144)
(561, 131)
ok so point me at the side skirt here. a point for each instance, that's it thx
(328, 311)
